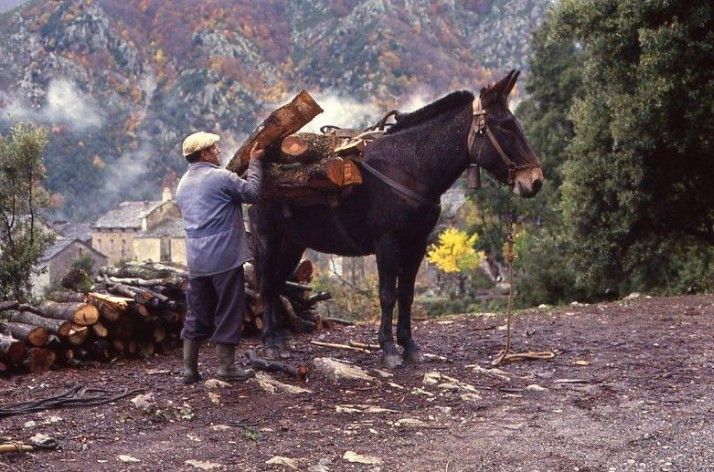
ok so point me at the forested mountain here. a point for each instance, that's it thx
(119, 83)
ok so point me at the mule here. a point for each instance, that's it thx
(392, 213)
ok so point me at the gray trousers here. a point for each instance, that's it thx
(216, 305)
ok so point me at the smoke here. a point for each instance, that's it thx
(344, 111)
(64, 104)
(127, 178)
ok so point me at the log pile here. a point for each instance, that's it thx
(133, 310)
(305, 168)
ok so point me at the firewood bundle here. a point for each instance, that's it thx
(133, 310)
(304, 168)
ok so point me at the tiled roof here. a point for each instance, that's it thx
(127, 215)
(60, 245)
(81, 231)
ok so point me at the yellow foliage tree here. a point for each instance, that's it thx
(454, 252)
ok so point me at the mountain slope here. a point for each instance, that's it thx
(120, 83)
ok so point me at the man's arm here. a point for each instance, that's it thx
(248, 190)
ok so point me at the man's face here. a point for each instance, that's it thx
(212, 155)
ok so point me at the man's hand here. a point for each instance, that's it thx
(256, 152)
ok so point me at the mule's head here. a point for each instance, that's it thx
(497, 141)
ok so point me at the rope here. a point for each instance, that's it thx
(505, 355)
(75, 397)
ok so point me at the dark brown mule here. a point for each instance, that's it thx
(392, 213)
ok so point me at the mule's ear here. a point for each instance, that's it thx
(514, 77)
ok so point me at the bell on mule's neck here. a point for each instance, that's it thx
(473, 176)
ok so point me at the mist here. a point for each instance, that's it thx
(65, 104)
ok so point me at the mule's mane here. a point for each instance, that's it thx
(442, 105)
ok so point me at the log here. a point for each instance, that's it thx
(259, 363)
(41, 359)
(318, 297)
(65, 296)
(159, 332)
(82, 314)
(77, 335)
(110, 306)
(32, 335)
(307, 147)
(303, 272)
(100, 330)
(280, 123)
(59, 327)
(9, 305)
(11, 349)
(296, 323)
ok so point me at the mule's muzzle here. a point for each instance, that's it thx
(528, 182)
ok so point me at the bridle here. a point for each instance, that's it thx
(479, 127)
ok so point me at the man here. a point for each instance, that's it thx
(216, 247)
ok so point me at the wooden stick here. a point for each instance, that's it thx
(363, 345)
(100, 330)
(275, 366)
(340, 346)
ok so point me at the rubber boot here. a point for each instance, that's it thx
(190, 361)
(227, 369)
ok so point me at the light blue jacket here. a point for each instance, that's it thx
(210, 202)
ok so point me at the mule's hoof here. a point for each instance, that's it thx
(391, 361)
(413, 356)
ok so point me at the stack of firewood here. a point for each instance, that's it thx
(304, 168)
(135, 309)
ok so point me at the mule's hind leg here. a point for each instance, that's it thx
(407, 276)
(387, 252)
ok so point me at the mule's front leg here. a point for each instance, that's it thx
(387, 265)
(407, 277)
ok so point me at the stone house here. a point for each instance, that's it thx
(58, 258)
(143, 230)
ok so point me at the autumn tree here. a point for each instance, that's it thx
(455, 253)
(22, 238)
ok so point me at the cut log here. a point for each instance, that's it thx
(282, 122)
(100, 330)
(343, 172)
(41, 360)
(303, 272)
(65, 296)
(32, 335)
(159, 332)
(77, 335)
(307, 147)
(82, 314)
(13, 350)
(110, 306)
(59, 327)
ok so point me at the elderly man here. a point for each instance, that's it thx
(216, 245)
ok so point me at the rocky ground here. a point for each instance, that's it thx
(630, 389)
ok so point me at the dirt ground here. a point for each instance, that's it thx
(630, 389)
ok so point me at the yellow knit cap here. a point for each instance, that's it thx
(198, 142)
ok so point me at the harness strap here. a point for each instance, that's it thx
(397, 186)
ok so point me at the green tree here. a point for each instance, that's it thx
(22, 239)
(637, 193)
